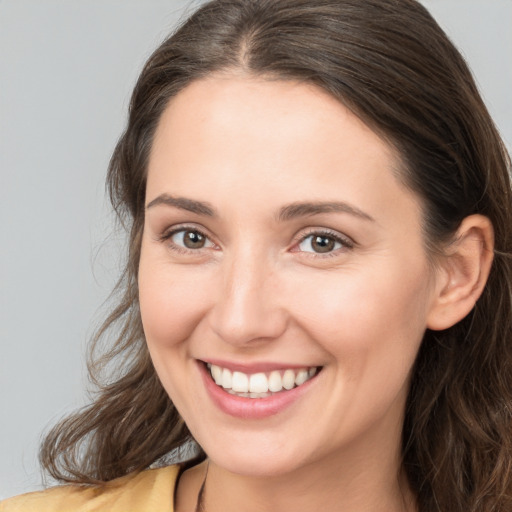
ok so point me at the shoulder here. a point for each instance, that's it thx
(151, 490)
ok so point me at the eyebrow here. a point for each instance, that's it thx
(190, 205)
(296, 210)
(286, 213)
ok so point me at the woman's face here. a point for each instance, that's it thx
(281, 251)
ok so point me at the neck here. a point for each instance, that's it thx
(331, 485)
(361, 475)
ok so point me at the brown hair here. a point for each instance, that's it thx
(391, 64)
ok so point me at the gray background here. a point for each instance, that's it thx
(66, 71)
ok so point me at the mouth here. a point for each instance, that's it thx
(261, 384)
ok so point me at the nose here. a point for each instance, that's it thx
(248, 309)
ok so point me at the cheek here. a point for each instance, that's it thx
(172, 301)
(366, 319)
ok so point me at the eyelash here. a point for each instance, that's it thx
(167, 235)
(345, 242)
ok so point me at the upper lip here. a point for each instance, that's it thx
(255, 367)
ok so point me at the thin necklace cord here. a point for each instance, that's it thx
(200, 495)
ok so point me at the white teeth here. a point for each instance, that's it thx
(288, 379)
(275, 382)
(226, 382)
(216, 374)
(240, 382)
(259, 385)
(302, 376)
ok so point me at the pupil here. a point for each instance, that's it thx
(193, 240)
(323, 244)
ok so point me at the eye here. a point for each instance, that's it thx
(322, 243)
(189, 239)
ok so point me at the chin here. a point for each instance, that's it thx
(256, 458)
(258, 467)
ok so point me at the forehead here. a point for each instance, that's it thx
(256, 109)
(247, 135)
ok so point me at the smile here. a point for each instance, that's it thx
(260, 385)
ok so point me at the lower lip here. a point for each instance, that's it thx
(251, 408)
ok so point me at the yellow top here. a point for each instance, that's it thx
(149, 491)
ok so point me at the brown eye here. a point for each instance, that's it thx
(321, 243)
(193, 240)
(190, 239)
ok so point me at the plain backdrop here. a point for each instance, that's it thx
(66, 72)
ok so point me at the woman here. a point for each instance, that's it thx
(318, 289)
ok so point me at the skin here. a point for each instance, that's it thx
(258, 292)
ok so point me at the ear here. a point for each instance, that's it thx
(462, 272)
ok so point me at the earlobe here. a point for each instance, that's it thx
(463, 272)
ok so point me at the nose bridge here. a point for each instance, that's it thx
(247, 308)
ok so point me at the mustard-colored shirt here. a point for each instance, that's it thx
(149, 491)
